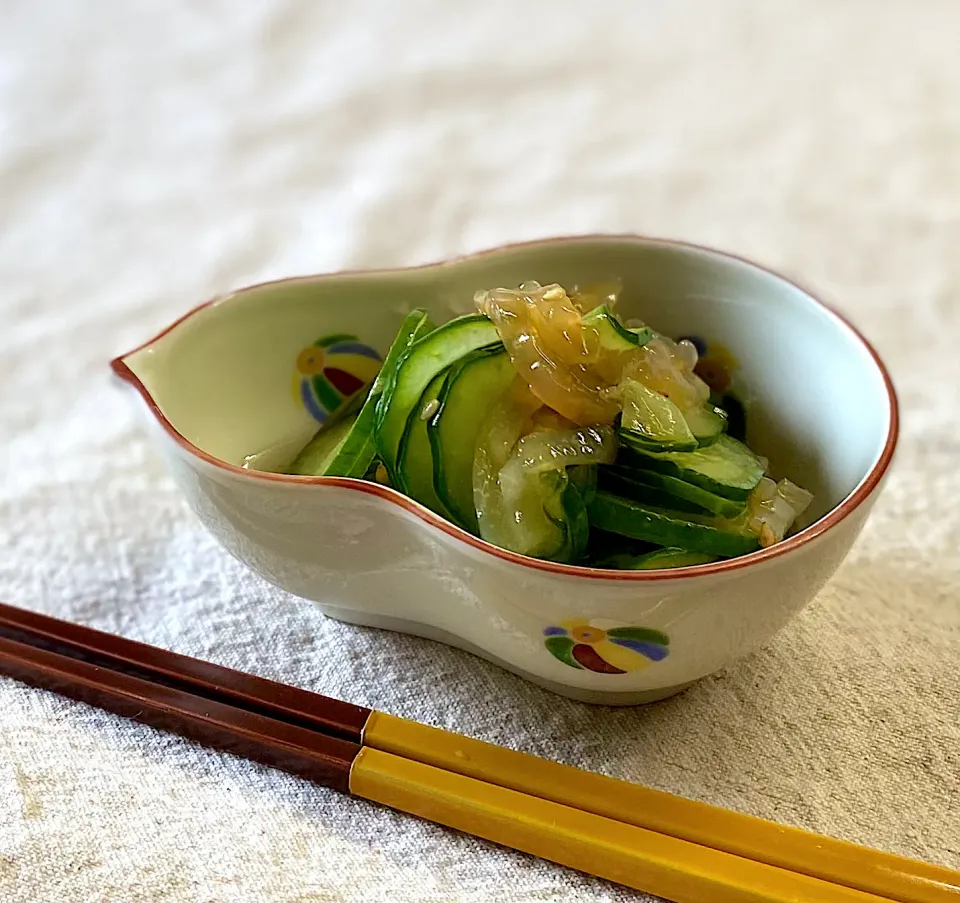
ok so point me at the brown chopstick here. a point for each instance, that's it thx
(633, 856)
(327, 741)
(282, 702)
(316, 756)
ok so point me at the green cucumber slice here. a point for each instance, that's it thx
(561, 528)
(356, 451)
(652, 422)
(614, 336)
(620, 482)
(316, 455)
(564, 506)
(584, 477)
(538, 514)
(473, 386)
(610, 550)
(327, 441)
(668, 558)
(578, 522)
(664, 491)
(415, 461)
(420, 363)
(727, 467)
(619, 515)
(707, 423)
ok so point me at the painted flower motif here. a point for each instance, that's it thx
(593, 646)
(331, 369)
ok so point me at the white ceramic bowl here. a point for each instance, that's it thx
(235, 377)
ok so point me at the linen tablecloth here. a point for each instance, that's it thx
(154, 154)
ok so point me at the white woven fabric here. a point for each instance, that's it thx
(153, 154)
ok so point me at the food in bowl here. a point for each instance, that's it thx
(547, 426)
(232, 391)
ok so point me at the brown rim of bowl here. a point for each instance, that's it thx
(808, 534)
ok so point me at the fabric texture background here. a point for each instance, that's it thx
(154, 154)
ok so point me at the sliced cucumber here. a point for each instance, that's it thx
(619, 515)
(618, 562)
(415, 461)
(584, 477)
(355, 453)
(727, 467)
(668, 558)
(556, 524)
(542, 517)
(665, 491)
(610, 550)
(564, 506)
(326, 443)
(651, 421)
(707, 423)
(315, 457)
(621, 482)
(421, 362)
(473, 386)
(614, 336)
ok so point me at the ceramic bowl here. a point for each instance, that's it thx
(248, 377)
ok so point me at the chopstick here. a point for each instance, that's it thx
(643, 838)
(826, 858)
(831, 860)
(256, 694)
(604, 847)
(297, 750)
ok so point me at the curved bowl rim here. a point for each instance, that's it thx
(831, 519)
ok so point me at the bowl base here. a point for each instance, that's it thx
(594, 697)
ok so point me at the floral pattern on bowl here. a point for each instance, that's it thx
(332, 369)
(596, 646)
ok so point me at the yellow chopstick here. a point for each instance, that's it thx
(642, 838)
(833, 862)
(637, 858)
